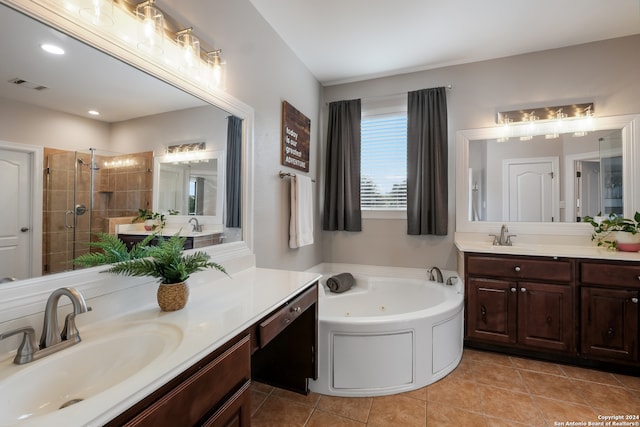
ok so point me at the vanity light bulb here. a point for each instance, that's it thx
(98, 12)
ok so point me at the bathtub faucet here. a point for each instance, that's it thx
(437, 277)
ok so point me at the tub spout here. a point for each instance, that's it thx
(435, 274)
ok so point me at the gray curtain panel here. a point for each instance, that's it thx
(427, 146)
(234, 172)
(342, 184)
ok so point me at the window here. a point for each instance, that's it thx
(383, 183)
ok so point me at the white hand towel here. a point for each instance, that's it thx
(301, 222)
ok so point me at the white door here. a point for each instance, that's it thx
(531, 190)
(589, 195)
(15, 226)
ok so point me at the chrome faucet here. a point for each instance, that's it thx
(50, 333)
(503, 239)
(52, 339)
(437, 277)
(195, 227)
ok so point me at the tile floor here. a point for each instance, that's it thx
(486, 389)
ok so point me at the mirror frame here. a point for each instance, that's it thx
(630, 126)
(54, 15)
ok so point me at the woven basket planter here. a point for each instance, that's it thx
(173, 297)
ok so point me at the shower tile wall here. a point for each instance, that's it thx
(122, 185)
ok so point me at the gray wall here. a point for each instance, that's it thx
(262, 72)
(603, 72)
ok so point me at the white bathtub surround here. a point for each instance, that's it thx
(301, 221)
(393, 332)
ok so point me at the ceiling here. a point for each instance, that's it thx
(350, 40)
(81, 79)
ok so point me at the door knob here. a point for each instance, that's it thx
(24, 229)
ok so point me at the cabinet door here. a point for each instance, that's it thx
(545, 316)
(491, 309)
(609, 328)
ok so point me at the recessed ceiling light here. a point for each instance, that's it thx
(94, 112)
(53, 49)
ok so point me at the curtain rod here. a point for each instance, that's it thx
(372, 98)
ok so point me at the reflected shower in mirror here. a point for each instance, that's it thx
(546, 180)
(44, 104)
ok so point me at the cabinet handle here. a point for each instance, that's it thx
(483, 313)
(296, 309)
(517, 268)
(513, 289)
(523, 289)
(610, 332)
(634, 300)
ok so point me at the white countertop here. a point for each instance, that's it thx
(169, 230)
(217, 311)
(557, 246)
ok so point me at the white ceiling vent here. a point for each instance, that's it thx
(26, 83)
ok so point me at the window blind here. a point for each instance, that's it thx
(383, 184)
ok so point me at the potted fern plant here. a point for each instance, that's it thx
(616, 232)
(167, 262)
(112, 250)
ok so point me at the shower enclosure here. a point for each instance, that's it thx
(84, 192)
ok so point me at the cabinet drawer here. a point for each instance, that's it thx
(274, 324)
(520, 268)
(197, 396)
(610, 274)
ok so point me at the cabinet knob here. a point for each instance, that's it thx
(517, 268)
(634, 300)
(296, 309)
(513, 289)
(523, 289)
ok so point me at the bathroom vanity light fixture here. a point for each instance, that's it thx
(216, 69)
(190, 48)
(193, 152)
(548, 121)
(151, 28)
(98, 12)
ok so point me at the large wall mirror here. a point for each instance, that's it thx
(84, 171)
(546, 185)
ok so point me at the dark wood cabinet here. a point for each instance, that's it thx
(191, 242)
(609, 315)
(280, 349)
(513, 301)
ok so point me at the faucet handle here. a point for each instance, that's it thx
(496, 242)
(27, 348)
(508, 241)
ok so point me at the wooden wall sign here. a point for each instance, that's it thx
(296, 129)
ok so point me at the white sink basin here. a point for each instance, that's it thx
(82, 371)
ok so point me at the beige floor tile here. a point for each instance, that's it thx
(355, 408)
(590, 375)
(279, 412)
(487, 357)
(443, 415)
(325, 419)
(552, 386)
(458, 393)
(397, 410)
(510, 405)
(310, 399)
(560, 411)
(257, 399)
(420, 394)
(502, 376)
(463, 372)
(261, 387)
(536, 365)
(628, 381)
(499, 422)
(618, 400)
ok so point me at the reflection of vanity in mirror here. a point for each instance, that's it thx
(99, 170)
(543, 185)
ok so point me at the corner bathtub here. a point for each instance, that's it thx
(387, 335)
